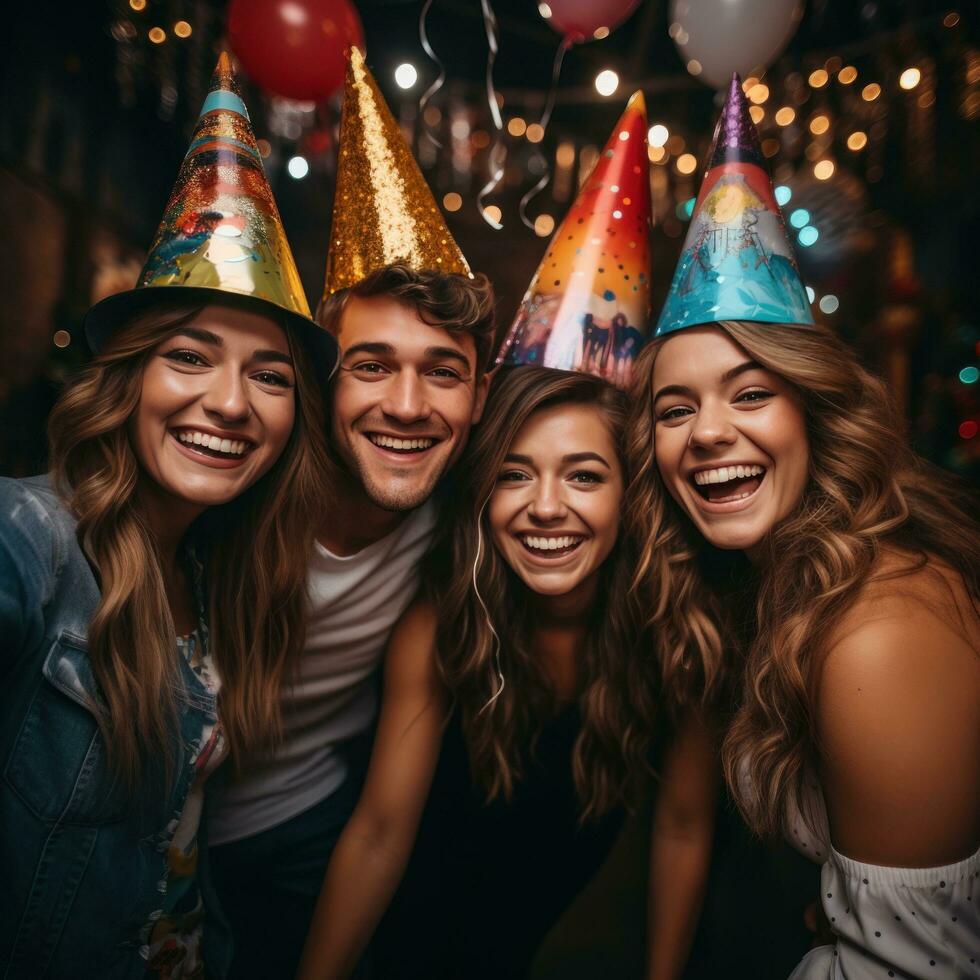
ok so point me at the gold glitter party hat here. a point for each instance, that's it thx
(383, 210)
(221, 231)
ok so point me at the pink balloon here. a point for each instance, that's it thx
(578, 20)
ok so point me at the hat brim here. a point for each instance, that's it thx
(110, 314)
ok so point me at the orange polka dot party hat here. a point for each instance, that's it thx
(588, 305)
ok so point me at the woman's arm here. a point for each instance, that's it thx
(375, 846)
(897, 709)
(680, 846)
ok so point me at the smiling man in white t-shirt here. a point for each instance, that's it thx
(415, 332)
(414, 351)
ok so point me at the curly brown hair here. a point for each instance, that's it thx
(866, 491)
(481, 596)
(257, 552)
(448, 300)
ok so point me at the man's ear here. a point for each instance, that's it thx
(480, 395)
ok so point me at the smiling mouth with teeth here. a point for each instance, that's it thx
(401, 445)
(727, 483)
(550, 547)
(209, 445)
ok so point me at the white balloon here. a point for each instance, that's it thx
(723, 36)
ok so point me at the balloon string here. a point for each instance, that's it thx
(498, 151)
(549, 107)
(438, 83)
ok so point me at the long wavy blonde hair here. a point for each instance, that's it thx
(483, 615)
(257, 550)
(866, 491)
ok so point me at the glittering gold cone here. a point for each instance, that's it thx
(221, 231)
(383, 210)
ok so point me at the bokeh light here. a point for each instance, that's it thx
(969, 375)
(298, 167)
(857, 140)
(785, 115)
(182, 29)
(800, 218)
(871, 92)
(687, 163)
(808, 236)
(847, 75)
(544, 224)
(658, 135)
(819, 125)
(829, 303)
(910, 78)
(824, 169)
(783, 196)
(606, 82)
(452, 201)
(406, 75)
(968, 429)
(818, 78)
(516, 126)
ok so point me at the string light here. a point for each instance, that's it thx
(757, 113)
(819, 125)
(516, 126)
(785, 115)
(157, 35)
(606, 82)
(847, 75)
(535, 133)
(818, 78)
(758, 93)
(783, 195)
(800, 218)
(824, 169)
(871, 92)
(657, 154)
(687, 163)
(406, 75)
(910, 78)
(658, 135)
(544, 225)
(807, 237)
(182, 29)
(298, 167)
(857, 141)
(452, 201)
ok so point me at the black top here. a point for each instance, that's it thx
(487, 881)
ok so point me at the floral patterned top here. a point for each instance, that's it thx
(172, 938)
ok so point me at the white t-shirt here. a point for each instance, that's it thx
(354, 603)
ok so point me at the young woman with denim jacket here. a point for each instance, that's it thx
(196, 432)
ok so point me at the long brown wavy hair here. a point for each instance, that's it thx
(257, 549)
(484, 600)
(866, 492)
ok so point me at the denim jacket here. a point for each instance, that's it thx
(82, 867)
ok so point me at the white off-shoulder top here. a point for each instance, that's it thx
(905, 923)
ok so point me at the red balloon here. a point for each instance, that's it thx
(294, 48)
(578, 20)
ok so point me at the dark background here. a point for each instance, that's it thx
(95, 121)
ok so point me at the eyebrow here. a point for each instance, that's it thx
(568, 458)
(207, 337)
(725, 378)
(388, 350)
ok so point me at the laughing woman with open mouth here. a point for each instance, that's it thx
(856, 613)
(152, 586)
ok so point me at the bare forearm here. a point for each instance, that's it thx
(360, 881)
(678, 872)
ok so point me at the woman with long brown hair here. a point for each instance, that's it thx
(855, 616)
(534, 649)
(152, 587)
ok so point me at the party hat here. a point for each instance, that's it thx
(383, 210)
(588, 305)
(221, 231)
(737, 263)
